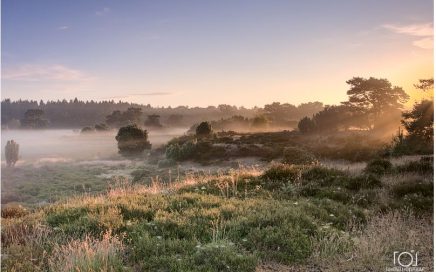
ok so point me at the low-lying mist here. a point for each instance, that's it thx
(63, 145)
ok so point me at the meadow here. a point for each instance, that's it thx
(311, 212)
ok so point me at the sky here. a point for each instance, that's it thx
(199, 53)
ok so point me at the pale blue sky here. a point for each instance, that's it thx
(200, 52)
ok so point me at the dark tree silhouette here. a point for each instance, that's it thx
(132, 140)
(204, 129)
(425, 84)
(374, 97)
(419, 122)
(11, 153)
(306, 125)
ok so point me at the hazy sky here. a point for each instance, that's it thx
(201, 52)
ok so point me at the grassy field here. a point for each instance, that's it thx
(284, 218)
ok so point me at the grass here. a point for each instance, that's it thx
(289, 216)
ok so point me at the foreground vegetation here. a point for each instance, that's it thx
(288, 217)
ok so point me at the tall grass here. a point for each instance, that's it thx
(88, 255)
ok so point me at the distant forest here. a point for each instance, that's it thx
(77, 113)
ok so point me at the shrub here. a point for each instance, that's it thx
(282, 173)
(178, 152)
(222, 256)
(132, 140)
(295, 155)
(204, 129)
(155, 253)
(11, 153)
(322, 176)
(378, 167)
(362, 182)
(285, 244)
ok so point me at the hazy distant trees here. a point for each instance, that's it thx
(33, 118)
(75, 113)
(11, 153)
(132, 140)
(153, 121)
(130, 116)
(286, 115)
(174, 120)
(204, 129)
(260, 122)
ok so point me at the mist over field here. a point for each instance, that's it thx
(62, 145)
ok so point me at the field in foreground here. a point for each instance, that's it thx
(287, 218)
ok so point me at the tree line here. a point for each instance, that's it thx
(78, 114)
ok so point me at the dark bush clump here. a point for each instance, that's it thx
(282, 173)
(413, 187)
(204, 129)
(322, 176)
(299, 156)
(362, 182)
(378, 167)
(132, 140)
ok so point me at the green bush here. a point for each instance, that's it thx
(378, 167)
